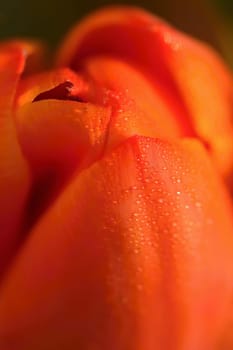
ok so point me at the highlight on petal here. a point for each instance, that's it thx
(60, 134)
(190, 76)
(14, 174)
(136, 254)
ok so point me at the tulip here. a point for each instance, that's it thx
(116, 216)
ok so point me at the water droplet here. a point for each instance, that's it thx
(139, 286)
(198, 204)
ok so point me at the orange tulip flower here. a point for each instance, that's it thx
(116, 221)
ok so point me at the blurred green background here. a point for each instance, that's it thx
(50, 19)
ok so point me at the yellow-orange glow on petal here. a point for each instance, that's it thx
(58, 134)
(136, 253)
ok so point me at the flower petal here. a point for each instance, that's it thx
(206, 87)
(61, 133)
(14, 174)
(190, 76)
(128, 34)
(136, 254)
(34, 51)
(136, 107)
(30, 88)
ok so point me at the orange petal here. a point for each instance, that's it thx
(226, 341)
(43, 86)
(206, 87)
(34, 51)
(136, 254)
(56, 124)
(57, 133)
(61, 133)
(14, 176)
(136, 107)
(190, 76)
(128, 34)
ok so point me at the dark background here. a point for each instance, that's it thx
(50, 19)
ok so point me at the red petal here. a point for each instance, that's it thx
(14, 176)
